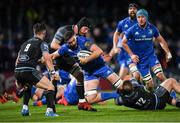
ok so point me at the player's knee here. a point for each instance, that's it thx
(137, 76)
(51, 87)
(161, 77)
(91, 96)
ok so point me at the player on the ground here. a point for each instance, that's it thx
(142, 49)
(123, 58)
(67, 63)
(136, 96)
(93, 65)
(27, 75)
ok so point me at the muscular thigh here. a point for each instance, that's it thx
(91, 85)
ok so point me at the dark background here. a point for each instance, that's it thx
(18, 16)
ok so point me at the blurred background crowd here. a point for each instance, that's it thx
(18, 16)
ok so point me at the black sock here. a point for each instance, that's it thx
(50, 100)
(27, 96)
(80, 91)
(178, 104)
(55, 91)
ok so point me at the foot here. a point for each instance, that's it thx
(15, 98)
(37, 103)
(25, 112)
(51, 114)
(62, 101)
(86, 106)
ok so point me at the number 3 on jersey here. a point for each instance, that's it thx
(27, 47)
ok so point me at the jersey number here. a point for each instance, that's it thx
(141, 101)
(27, 47)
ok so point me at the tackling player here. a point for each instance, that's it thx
(136, 96)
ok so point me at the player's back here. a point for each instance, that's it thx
(30, 53)
(140, 99)
(59, 35)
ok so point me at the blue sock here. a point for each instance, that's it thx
(43, 100)
(173, 94)
(108, 95)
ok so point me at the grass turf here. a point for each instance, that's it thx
(10, 112)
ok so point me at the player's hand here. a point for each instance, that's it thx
(41, 60)
(168, 57)
(107, 57)
(83, 61)
(135, 58)
(116, 50)
(54, 76)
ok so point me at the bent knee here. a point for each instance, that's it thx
(51, 87)
(161, 77)
(91, 96)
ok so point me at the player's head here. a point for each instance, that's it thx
(70, 37)
(142, 17)
(39, 30)
(84, 25)
(132, 10)
(127, 87)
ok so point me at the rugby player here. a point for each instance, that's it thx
(25, 69)
(134, 95)
(68, 64)
(94, 67)
(142, 49)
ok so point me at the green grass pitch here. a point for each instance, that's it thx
(10, 112)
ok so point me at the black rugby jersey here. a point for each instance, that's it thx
(31, 51)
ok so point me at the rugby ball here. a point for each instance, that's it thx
(83, 54)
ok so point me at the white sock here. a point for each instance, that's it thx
(82, 100)
(25, 107)
(49, 110)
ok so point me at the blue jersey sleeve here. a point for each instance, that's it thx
(88, 43)
(129, 33)
(155, 31)
(63, 49)
(119, 27)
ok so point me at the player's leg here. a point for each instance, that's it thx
(93, 96)
(171, 84)
(46, 84)
(158, 71)
(144, 69)
(134, 71)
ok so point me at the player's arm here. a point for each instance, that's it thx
(165, 47)
(55, 55)
(134, 57)
(17, 58)
(96, 52)
(55, 44)
(46, 56)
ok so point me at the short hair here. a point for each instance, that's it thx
(133, 5)
(68, 34)
(127, 87)
(39, 27)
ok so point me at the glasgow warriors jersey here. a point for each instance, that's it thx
(31, 51)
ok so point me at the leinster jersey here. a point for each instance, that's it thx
(142, 39)
(83, 43)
